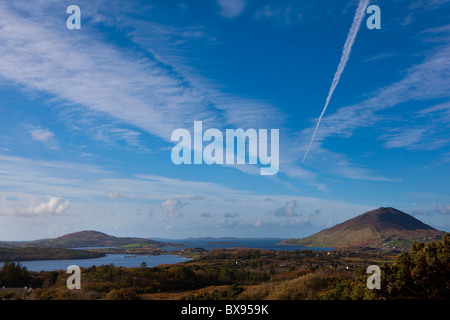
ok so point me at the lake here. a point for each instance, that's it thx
(116, 259)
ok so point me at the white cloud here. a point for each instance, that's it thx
(42, 135)
(54, 206)
(443, 209)
(258, 223)
(45, 136)
(115, 195)
(227, 223)
(288, 210)
(171, 208)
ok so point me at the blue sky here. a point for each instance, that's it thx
(86, 115)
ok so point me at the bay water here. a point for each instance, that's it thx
(129, 260)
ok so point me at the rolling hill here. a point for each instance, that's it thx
(380, 228)
(89, 238)
(37, 253)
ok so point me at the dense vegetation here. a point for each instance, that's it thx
(421, 273)
(36, 253)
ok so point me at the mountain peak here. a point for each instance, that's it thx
(89, 233)
(382, 227)
(386, 218)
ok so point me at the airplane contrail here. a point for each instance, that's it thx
(359, 15)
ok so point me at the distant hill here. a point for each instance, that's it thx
(36, 253)
(380, 228)
(90, 238)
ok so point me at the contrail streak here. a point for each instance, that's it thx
(359, 15)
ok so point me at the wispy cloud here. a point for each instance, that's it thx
(286, 15)
(97, 81)
(442, 160)
(45, 136)
(115, 195)
(416, 138)
(342, 166)
(231, 8)
(380, 56)
(441, 112)
(443, 209)
(97, 76)
(206, 215)
(402, 138)
(31, 181)
(42, 135)
(113, 135)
